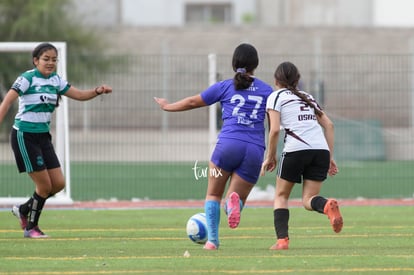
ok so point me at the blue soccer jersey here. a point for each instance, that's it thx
(243, 111)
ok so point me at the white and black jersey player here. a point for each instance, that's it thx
(307, 155)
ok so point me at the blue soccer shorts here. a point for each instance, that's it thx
(238, 156)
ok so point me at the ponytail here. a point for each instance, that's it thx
(287, 75)
(242, 80)
(245, 61)
(303, 96)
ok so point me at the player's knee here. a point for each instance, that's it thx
(306, 203)
(58, 186)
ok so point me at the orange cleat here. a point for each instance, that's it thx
(332, 211)
(281, 244)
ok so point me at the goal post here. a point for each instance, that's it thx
(62, 122)
(212, 109)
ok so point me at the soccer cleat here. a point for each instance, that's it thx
(281, 244)
(233, 210)
(332, 211)
(22, 218)
(35, 233)
(210, 246)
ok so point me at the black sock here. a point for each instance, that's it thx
(25, 207)
(318, 203)
(281, 222)
(35, 211)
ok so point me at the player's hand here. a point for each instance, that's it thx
(268, 165)
(333, 168)
(103, 89)
(161, 101)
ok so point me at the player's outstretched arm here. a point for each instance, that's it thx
(83, 95)
(185, 104)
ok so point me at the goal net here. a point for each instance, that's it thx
(62, 123)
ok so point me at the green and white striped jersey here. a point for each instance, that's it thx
(38, 96)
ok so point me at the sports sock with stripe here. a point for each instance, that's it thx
(35, 211)
(25, 207)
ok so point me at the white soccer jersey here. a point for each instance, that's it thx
(298, 119)
(38, 96)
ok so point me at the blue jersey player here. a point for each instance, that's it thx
(240, 146)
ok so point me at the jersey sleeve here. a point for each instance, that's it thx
(64, 86)
(212, 94)
(20, 85)
(271, 102)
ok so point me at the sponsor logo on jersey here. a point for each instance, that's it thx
(306, 117)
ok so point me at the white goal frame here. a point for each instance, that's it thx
(62, 122)
(212, 109)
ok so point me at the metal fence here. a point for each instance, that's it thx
(369, 97)
(369, 92)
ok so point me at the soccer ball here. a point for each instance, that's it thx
(197, 228)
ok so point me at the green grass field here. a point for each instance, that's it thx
(176, 181)
(375, 240)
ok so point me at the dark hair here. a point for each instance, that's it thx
(287, 76)
(41, 48)
(245, 60)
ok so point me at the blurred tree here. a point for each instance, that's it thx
(45, 20)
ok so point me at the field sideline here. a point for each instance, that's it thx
(200, 203)
(143, 204)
